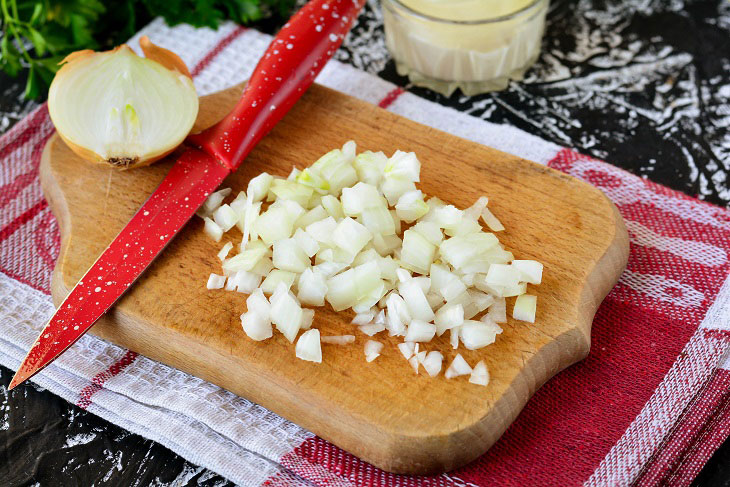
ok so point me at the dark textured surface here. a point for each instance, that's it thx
(644, 85)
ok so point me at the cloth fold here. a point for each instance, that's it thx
(604, 421)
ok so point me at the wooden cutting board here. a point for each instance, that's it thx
(380, 411)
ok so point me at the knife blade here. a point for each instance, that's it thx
(288, 67)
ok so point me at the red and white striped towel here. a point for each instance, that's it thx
(647, 406)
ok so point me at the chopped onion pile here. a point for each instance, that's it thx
(353, 231)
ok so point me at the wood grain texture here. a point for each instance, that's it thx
(379, 411)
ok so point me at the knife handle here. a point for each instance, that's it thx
(288, 67)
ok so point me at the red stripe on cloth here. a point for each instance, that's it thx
(391, 97)
(22, 219)
(222, 44)
(322, 463)
(23, 131)
(97, 382)
(703, 428)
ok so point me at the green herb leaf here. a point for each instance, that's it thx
(57, 28)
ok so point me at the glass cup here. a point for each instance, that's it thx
(439, 45)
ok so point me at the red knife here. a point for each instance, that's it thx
(290, 64)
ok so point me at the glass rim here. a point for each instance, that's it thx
(489, 20)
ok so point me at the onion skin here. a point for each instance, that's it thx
(163, 57)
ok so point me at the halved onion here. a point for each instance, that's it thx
(120, 109)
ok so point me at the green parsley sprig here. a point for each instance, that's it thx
(36, 35)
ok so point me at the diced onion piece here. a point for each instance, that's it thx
(503, 275)
(329, 269)
(305, 242)
(245, 261)
(388, 268)
(430, 231)
(338, 339)
(263, 267)
(531, 270)
(406, 348)
(286, 313)
(370, 166)
(475, 210)
(275, 278)
(342, 290)
(477, 334)
(336, 169)
(403, 165)
(225, 217)
(416, 301)
(447, 216)
(417, 253)
(434, 300)
(256, 321)
(307, 319)
(289, 256)
(449, 316)
(332, 206)
(224, 251)
(312, 178)
(458, 367)
(421, 356)
(216, 282)
(322, 230)
(212, 229)
(351, 236)
(398, 315)
(358, 198)
(461, 250)
(454, 337)
(378, 220)
(424, 283)
(480, 374)
(312, 287)
(367, 255)
(403, 275)
(274, 224)
(364, 318)
(291, 190)
(420, 331)
(213, 201)
(249, 217)
(410, 206)
(498, 311)
(525, 307)
(394, 187)
(432, 363)
(372, 350)
(314, 215)
(480, 300)
(372, 328)
(464, 227)
(259, 186)
(244, 281)
(492, 222)
(294, 174)
(414, 363)
(386, 244)
(396, 221)
(521, 288)
(308, 346)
